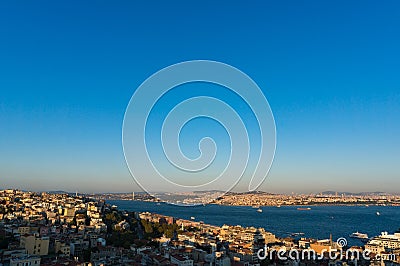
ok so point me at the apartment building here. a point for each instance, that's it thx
(35, 245)
(181, 261)
(25, 261)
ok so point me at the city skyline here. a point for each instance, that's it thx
(329, 72)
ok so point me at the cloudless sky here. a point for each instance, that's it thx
(329, 69)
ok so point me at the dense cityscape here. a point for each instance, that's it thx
(64, 229)
(268, 199)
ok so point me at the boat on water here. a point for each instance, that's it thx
(304, 209)
(193, 218)
(255, 207)
(297, 234)
(278, 206)
(259, 210)
(378, 213)
(359, 235)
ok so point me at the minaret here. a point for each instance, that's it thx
(76, 193)
(133, 195)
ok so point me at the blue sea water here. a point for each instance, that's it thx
(319, 222)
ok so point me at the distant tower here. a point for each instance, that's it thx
(133, 195)
(76, 193)
(183, 229)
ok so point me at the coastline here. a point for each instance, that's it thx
(277, 206)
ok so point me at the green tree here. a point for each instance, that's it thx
(169, 233)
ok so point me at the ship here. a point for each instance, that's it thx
(259, 210)
(304, 209)
(297, 234)
(359, 235)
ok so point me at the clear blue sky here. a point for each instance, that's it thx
(330, 70)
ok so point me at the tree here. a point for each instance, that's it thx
(148, 229)
(169, 233)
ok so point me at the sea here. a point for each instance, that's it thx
(320, 222)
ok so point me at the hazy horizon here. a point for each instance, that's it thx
(330, 72)
(141, 191)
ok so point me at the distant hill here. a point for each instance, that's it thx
(58, 192)
(354, 193)
(329, 192)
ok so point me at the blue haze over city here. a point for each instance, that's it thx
(330, 72)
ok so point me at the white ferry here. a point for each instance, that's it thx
(359, 235)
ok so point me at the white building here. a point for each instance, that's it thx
(25, 261)
(391, 241)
